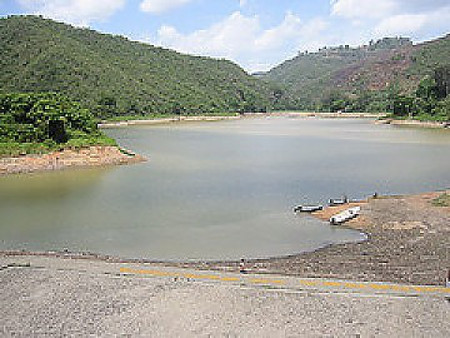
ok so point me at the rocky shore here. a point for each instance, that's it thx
(408, 242)
(94, 156)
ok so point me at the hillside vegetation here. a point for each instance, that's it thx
(367, 78)
(431, 100)
(115, 78)
(36, 123)
(111, 75)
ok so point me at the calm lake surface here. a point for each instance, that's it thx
(221, 190)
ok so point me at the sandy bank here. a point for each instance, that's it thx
(415, 123)
(94, 156)
(330, 115)
(237, 117)
(166, 120)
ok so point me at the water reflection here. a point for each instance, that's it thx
(48, 185)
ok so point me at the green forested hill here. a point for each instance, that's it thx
(363, 78)
(113, 76)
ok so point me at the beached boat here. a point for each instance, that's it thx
(308, 208)
(345, 215)
(337, 201)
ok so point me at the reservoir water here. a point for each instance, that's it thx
(220, 190)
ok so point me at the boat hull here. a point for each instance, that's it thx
(345, 215)
(308, 208)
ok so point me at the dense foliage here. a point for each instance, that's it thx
(367, 78)
(45, 121)
(431, 100)
(112, 76)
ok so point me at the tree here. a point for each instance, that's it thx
(442, 78)
(43, 117)
(427, 88)
(403, 106)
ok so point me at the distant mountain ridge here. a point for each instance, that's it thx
(375, 70)
(112, 75)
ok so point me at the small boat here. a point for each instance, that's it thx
(337, 201)
(308, 208)
(345, 215)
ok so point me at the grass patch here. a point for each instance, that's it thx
(442, 201)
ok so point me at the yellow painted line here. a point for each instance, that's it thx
(355, 285)
(157, 273)
(331, 283)
(379, 286)
(309, 282)
(212, 277)
(229, 279)
(349, 285)
(266, 281)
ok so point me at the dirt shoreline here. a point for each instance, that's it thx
(330, 115)
(408, 241)
(415, 123)
(105, 125)
(379, 118)
(95, 156)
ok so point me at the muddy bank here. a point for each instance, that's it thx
(408, 242)
(415, 123)
(94, 156)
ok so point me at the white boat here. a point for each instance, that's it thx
(345, 215)
(337, 201)
(308, 208)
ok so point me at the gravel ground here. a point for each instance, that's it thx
(81, 297)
